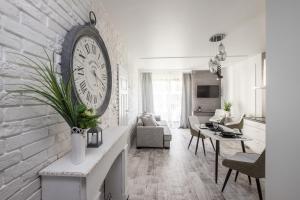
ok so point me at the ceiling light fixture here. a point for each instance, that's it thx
(214, 64)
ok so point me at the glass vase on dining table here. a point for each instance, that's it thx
(216, 126)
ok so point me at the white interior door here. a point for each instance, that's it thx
(123, 96)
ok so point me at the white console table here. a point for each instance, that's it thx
(103, 171)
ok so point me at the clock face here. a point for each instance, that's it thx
(90, 72)
(84, 55)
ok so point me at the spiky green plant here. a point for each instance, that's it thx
(54, 92)
(227, 106)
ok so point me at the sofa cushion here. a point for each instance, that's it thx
(156, 117)
(149, 121)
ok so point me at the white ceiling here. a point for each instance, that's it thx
(175, 33)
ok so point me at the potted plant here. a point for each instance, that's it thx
(51, 90)
(227, 106)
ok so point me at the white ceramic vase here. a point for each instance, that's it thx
(78, 143)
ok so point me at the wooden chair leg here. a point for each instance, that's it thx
(197, 146)
(243, 146)
(203, 145)
(259, 189)
(219, 149)
(249, 178)
(236, 176)
(190, 142)
(226, 179)
(212, 144)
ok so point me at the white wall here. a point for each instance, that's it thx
(238, 86)
(133, 91)
(283, 99)
(133, 100)
(33, 135)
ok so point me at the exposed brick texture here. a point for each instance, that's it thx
(33, 135)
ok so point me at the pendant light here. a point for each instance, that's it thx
(214, 64)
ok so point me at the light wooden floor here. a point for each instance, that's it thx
(177, 174)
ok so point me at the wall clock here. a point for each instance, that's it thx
(84, 55)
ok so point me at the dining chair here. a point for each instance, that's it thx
(195, 132)
(219, 116)
(236, 124)
(251, 164)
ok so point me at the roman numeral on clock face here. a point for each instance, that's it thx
(104, 77)
(83, 87)
(89, 97)
(80, 71)
(94, 49)
(82, 56)
(87, 47)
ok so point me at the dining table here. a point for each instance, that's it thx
(217, 137)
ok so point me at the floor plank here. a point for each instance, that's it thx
(179, 174)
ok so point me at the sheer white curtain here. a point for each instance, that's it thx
(167, 89)
(147, 92)
(186, 103)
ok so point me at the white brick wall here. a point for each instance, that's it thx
(33, 135)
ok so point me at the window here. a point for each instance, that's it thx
(167, 96)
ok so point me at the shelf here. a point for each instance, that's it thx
(203, 113)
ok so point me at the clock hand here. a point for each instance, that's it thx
(94, 73)
(97, 77)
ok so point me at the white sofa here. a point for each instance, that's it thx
(153, 136)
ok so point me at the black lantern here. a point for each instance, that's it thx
(94, 137)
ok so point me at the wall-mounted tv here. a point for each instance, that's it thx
(208, 91)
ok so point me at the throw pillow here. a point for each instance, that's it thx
(157, 117)
(147, 115)
(140, 122)
(149, 121)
